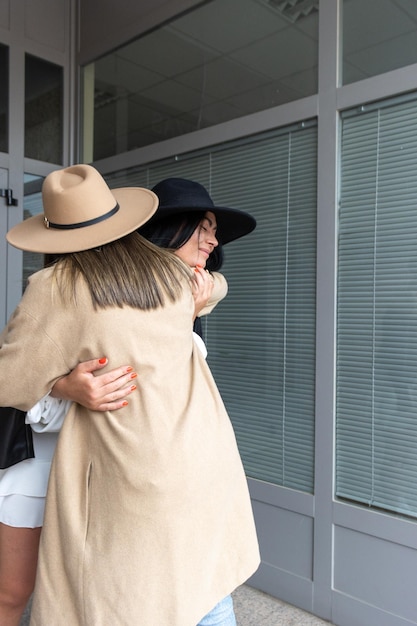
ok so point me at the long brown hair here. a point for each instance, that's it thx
(130, 271)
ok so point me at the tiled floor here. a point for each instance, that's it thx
(254, 608)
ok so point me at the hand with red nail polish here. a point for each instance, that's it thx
(97, 392)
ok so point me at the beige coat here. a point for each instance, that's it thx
(148, 519)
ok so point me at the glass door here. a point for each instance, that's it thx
(17, 266)
(32, 205)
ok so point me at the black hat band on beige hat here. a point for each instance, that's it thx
(180, 195)
(82, 212)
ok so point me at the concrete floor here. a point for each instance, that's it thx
(254, 608)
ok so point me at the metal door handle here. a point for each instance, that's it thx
(8, 194)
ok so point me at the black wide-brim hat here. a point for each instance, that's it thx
(180, 195)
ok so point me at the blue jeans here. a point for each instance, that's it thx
(222, 614)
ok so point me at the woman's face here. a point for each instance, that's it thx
(202, 242)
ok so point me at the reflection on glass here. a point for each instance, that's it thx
(32, 205)
(221, 61)
(4, 98)
(378, 36)
(43, 110)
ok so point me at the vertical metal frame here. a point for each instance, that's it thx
(329, 63)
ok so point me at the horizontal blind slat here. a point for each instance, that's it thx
(376, 436)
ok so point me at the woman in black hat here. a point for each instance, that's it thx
(180, 195)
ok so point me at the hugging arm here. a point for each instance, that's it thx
(216, 293)
(97, 392)
(202, 288)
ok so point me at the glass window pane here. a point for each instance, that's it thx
(376, 399)
(43, 110)
(198, 71)
(4, 98)
(261, 338)
(378, 36)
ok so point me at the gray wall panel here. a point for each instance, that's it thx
(348, 611)
(376, 572)
(286, 539)
(286, 543)
(284, 585)
(53, 32)
(5, 14)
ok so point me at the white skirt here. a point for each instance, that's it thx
(23, 486)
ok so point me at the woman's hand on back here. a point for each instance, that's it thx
(101, 392)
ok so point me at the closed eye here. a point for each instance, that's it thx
(210, 224)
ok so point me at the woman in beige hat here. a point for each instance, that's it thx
(148, 518)
(186, 228)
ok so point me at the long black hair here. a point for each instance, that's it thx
(173, 231)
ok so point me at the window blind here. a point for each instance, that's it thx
(261, 338)
(376, 384)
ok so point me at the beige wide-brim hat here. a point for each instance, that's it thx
(82, 212)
